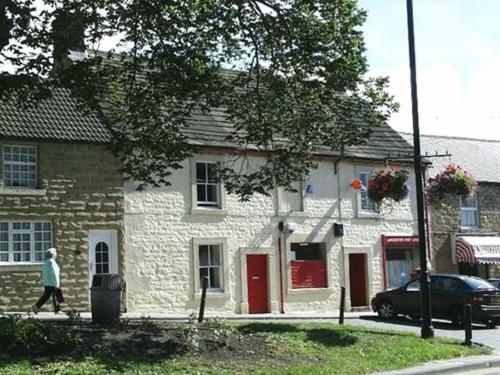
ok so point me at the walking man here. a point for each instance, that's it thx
(50, 279)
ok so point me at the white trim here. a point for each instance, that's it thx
(221, 193)
(272, 271)
(224, 290)
(324, 237)
(110, 237)
(368, 251)
(281, 202)
(11, 231)
(360, 212)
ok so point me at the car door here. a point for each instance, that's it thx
(446, 292)
(408, 300)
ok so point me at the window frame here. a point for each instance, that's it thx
(282, 200)
(474, 209)
(223, 291)
(28, 163)
(220, 208)
(32, 240)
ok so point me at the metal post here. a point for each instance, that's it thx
(468, 324)
(203, 298)
(342, 304)
(427, 330)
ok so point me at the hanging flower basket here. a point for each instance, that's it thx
(453, 180)
(388, 183)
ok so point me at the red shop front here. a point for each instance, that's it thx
(400, 260)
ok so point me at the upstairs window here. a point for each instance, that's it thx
(469, 217)
(19, 166)
(207, 185)
(365, 203)
(291, 201)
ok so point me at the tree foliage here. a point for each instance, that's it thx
(289, 74)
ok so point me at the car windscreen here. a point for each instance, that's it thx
(478, 284)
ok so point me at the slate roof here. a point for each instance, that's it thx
(480, 157)
(60, 118)
(57, 118)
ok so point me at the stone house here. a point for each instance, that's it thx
(286, 252)
(465, 233)
(58, 187)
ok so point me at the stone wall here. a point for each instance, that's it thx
(160, 227)
(79, 190)
(445, 221)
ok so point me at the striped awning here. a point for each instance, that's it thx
(477, 249)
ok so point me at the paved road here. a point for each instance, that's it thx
(480, 334)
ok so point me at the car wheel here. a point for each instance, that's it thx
(386, 310)
(491, 324)
(457, 316)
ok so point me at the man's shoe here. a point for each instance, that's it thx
(35, 309)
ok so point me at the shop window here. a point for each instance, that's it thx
(308, 265)
(469, 217)
(400, 266)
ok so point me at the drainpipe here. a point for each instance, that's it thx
(282, 301)
(339, 198)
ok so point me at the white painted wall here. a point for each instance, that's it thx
(160, 226)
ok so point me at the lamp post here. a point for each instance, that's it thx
(427, 330)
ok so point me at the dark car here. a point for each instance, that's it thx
(449, 294)
(495, 282)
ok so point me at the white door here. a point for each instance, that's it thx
(103, 252)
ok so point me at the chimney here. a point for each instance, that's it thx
(68, 38)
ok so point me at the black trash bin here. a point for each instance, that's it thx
(105, 297)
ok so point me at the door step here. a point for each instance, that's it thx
(360, 309)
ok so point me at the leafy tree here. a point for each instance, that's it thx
(289, 74)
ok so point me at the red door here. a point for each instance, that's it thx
(257, 284)
(357, 278)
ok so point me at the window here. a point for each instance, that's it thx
(365, 203)
(19, 166)
(447, 284)
(308, 265)
(414, 286)
(291, 201)
(207, 186)
(210, 266)
(24, 241)
(468, 212)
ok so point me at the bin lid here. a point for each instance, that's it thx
(107, 281)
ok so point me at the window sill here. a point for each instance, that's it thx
(17, 191)
(369, 215)
(9, 267)
(301, 291)
(470, 229)
(208, 211)
(212, 295)
(293, 213)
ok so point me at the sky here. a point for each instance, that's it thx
(458, 63)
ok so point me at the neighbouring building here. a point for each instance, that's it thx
(286, 252)
(59, 187)
(465, 232)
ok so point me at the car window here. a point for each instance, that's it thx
(478, 284)
(448, 284)
(414, 286)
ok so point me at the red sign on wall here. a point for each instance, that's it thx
(308, 274)
(397, 241)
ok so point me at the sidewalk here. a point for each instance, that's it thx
(184, 317)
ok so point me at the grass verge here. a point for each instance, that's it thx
(222, 348)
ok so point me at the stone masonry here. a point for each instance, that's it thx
(445, 221)
(79, 189)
